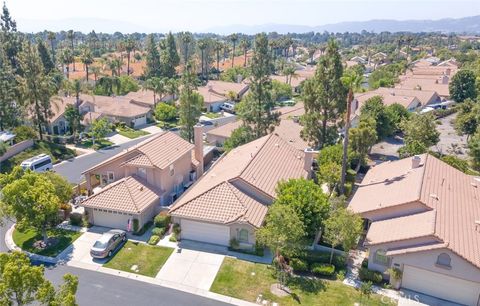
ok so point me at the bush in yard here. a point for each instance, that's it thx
(323, 269)
(135, 225)
(370, 275)
(165, 112)
(24, 132)
(158, 231)
(172, 238)
(234, 243)
(176, 229)
(154, 239)
(76, 219)
(298, 265)
(162, 220)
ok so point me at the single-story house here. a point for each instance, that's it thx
(135, 183)
(215, 93)
(423, 217)
(231, 200)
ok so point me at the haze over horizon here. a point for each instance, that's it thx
(220, 15)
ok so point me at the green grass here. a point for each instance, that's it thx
(99, 144)
(131, 133)
(27, 238)
(149, 259)
(246, 280)
(56, 151)
(212, 115)
(167, 124)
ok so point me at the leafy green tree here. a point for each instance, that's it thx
(420, 133)
(396, 114)
(24, 132)
(45, 57)
(153, 65)
(169, 57)
(239, 136)
(232, 74)
(74, 118)
(343, 227)
(362, 138)
(100, 128)
(3, 148)
(307, 199)
(165, 112)
(23, 284)
(375, 109)
(324, 97)
(274, 234)
(32, 201)
(256, 109)
(474, 150)
(63, 189)
(462, 86)
(458, 163)
(468, 118)
(330, 166)
(191, 103)
(281, 91)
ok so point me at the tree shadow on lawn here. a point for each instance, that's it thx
(61, 243)
(306, 284)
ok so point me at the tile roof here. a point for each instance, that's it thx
(160, 150)
(260, 164)
(415, 249)
(130, 195)
(452, 194)
(424, 96)
(226, 129)
(118, 106)
(217, 91)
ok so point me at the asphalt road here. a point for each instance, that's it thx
(3, 230)
(72, 169)
(103, 289)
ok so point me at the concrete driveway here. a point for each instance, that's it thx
(192, 268)
(80, 254)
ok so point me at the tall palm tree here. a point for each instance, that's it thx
(96, 71)
(186, 39)
(71, 36)
(172, 88)
(289, 71)
(218, 48)
(233, 38)
(352, 80)
(66, 58)
(244, 45)
(87, 59)
(51, 38)
(202, 46)
(157, 85)
(129, 46)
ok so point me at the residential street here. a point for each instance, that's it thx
(104, 289)
(72, 169)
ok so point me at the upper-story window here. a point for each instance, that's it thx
(444, 260)
(380, 257)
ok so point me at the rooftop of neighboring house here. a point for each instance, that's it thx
(294, 82)
(131, 194)
(143, 96)
(216, 91)
(59, 104)
(118, 106)
(158, 151)
(450, 197)
(389, 98)
(260, 164)
(438, 84)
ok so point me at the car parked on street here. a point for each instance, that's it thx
(108, 244)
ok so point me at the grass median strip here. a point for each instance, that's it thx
(140, 258)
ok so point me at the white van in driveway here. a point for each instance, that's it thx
(39, 163)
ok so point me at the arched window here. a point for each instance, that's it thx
(243, 235)
(380, 257)
(444, 260)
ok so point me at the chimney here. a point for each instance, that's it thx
(448, 71)
(416, 161)
(445, 79)
(309, 153)
(198, 138)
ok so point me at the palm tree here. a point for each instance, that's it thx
(108, 84)
(289, 72)
(172, 88)
(157, 85)
(87, 59)
(244, 45)
(66, 58)
(202, 46)
(129, 46)
(186, 38)
(71, 36)
(311, 52)
(114, 64)
(96, 71)
(233, 38)
(352, 80)
(51, 38)
(218, 48)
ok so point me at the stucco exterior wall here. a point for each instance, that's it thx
(234, 232)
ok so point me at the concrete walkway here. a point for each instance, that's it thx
(152, 129)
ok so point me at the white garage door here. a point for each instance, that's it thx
(441, 286)
(140, 121)
(107, 219)
(205, 232)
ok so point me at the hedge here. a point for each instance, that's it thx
(298, 265)
(162, 220)
(370, 275)
(322, 269)
(158, 231)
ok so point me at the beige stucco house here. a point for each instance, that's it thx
(424, 219)
(215, 93)
(137, 182)
(231, 200)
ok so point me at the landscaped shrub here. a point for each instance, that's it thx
(144, 228)
(322, 269)
(298, 265)
(234, 243)
(135, 225)
(339, 261)
(76, 219)
(365, 263)
(158, 231)
(176, 229)
(172, 238)
(370, 275)
(154, 239)
(162, 219)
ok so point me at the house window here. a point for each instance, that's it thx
(172, 170)
(142, 172)
(243, 235)
(444, 260)
(380, 257)
(110, 177)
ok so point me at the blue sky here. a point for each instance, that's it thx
(203, 15)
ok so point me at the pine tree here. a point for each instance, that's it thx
(256, 109)
(47, 62)
(9, 39)
(153, 68)
(8, 85)
(169, 57)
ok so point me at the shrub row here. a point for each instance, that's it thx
(159, 231)
(323, 269)
(162, 219)
(370, 275)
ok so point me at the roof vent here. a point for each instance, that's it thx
(416, 161)
(434, 196)
(140, 188)
(277, 145)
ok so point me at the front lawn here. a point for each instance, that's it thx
(26, 239)
(99, 144)
(212, 115)
(56, 151)
(130, 133)
(246, 280)
(148, 259)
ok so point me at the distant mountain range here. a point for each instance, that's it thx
(469, 25)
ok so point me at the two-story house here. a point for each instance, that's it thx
(424, 219)
(137, 182)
